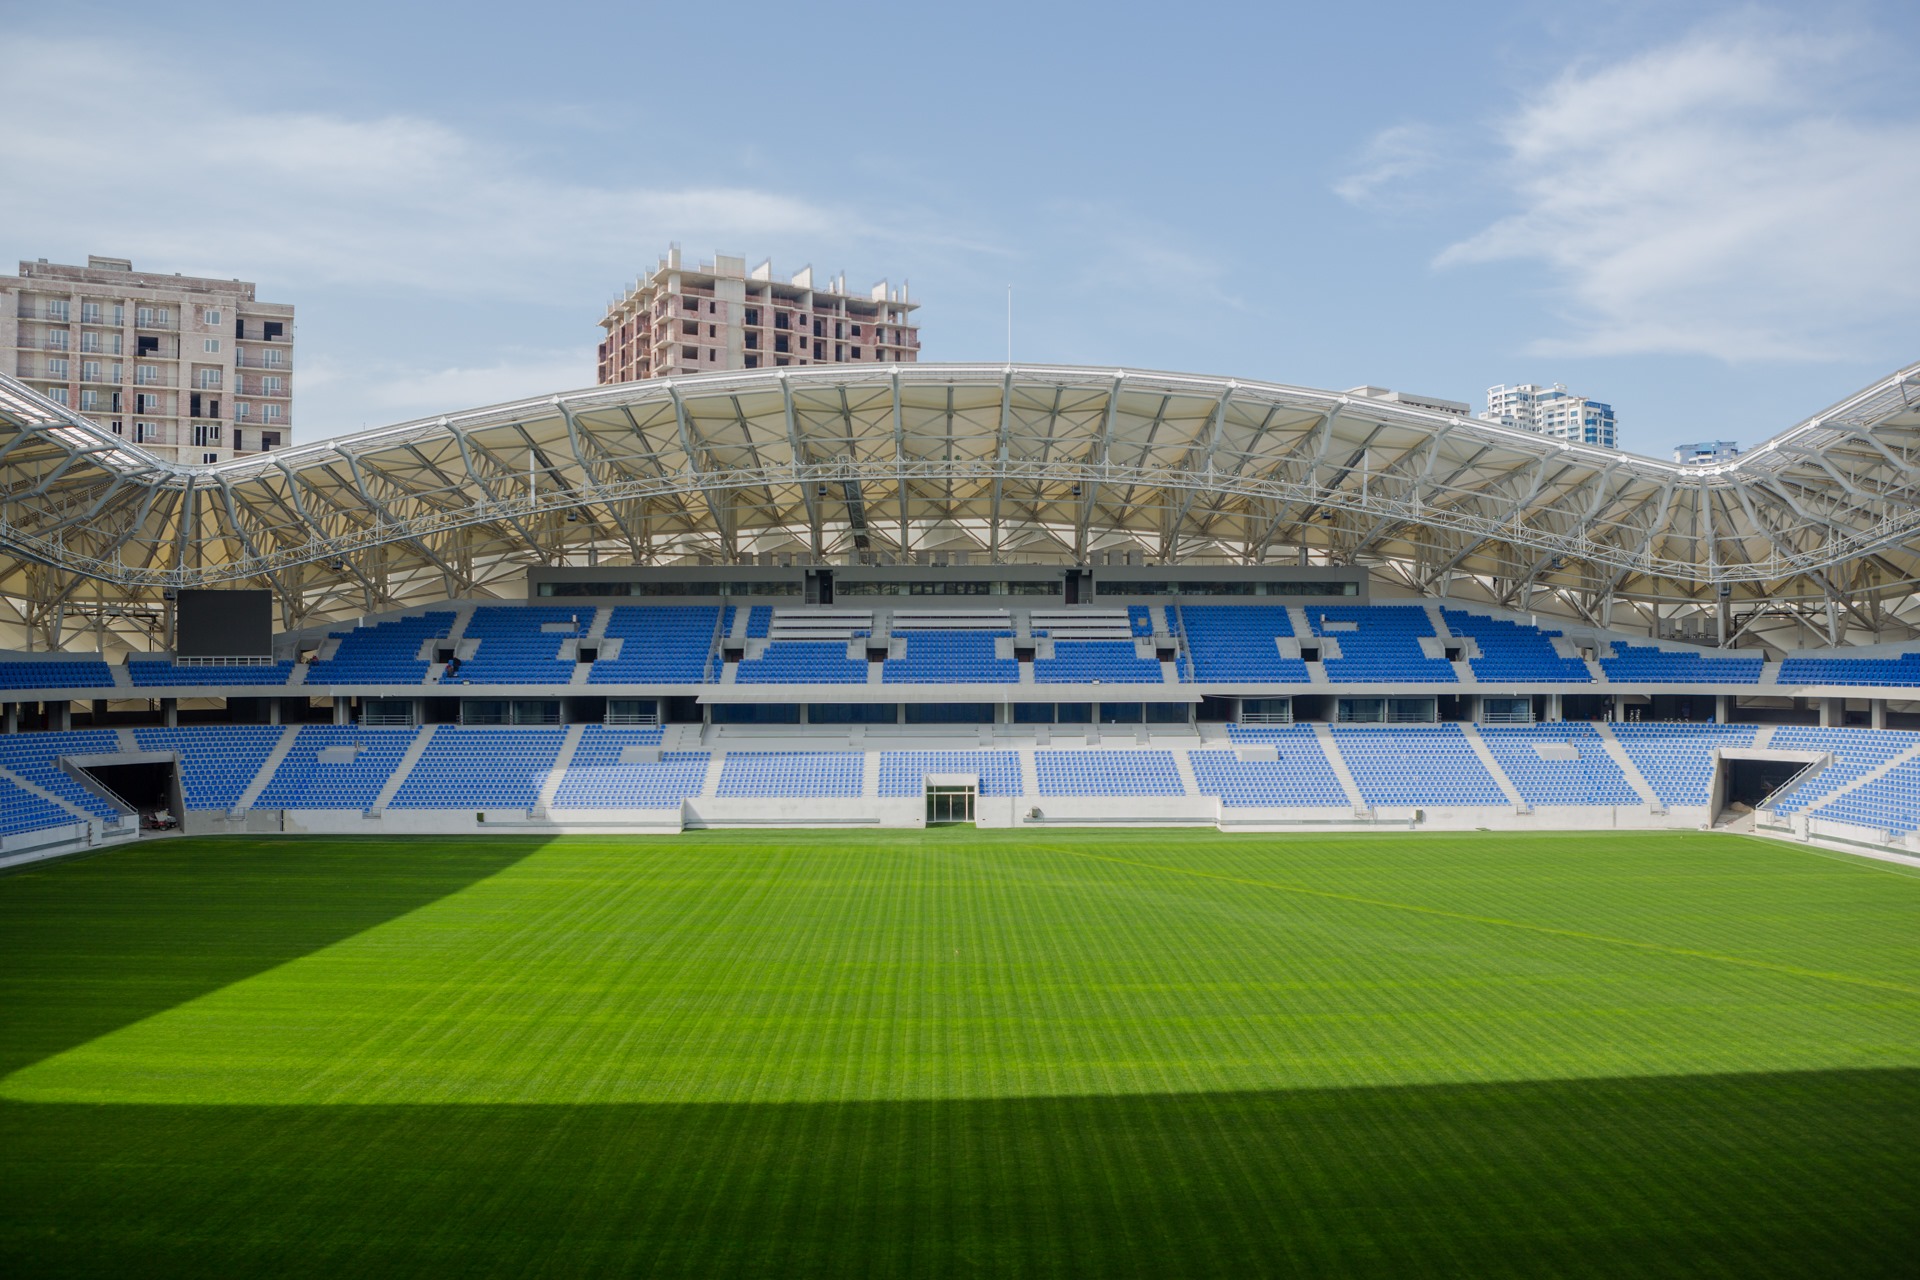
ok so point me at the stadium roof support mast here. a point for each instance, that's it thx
(1018, 462)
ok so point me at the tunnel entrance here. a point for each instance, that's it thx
(1747, 780)
(149, 787)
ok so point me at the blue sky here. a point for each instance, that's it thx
(1700, 212)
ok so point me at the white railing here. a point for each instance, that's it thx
(255, 661)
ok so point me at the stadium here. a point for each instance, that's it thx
(961, 819)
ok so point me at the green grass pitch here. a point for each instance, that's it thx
(961, 1053)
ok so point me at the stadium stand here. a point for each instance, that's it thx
(385, 653)
(802, 662)
(1107, 773)
(147, 674)
(791, 774)
(1235, 644)
(1855, 752)
(903, 773)
(361, 760)
(481, 769)
(1383, 644)
(1677, 759)
(1903, 671)
(1514, 651)
(1591, 778)
(759, 621)
(1416, 765)
(217, 763)
(22, 811)
(950, 657)
(1889, 803)
(1649, 665)
(515, 648)
(1087, 661)
(1300, 777)
(659, 644)
(596, 778)
(35, 757)
(56, 673)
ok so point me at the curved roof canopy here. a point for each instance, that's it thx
(1011, 462)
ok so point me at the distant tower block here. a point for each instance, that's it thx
(719, 316)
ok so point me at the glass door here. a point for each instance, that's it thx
(949, 804)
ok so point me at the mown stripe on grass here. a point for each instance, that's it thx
(1550, 930)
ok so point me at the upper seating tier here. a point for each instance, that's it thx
(1382, 646)
(1235, 644)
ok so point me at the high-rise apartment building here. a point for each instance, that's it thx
(681, 319)
(195, 370)
(1702, 452)
(1551, 411)
(1458, 408)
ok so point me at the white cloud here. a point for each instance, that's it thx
(1710, 198)
(313, 198)
(1392, 160)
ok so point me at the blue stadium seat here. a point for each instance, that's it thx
(1300, 778)
(481, 769)
(1234, 644)
(903, 773)
(1085, 661)
(302, 782)
(217, 762)
(1416, 765)
(384, 653)
(791, 774)
(1593, 778)
(1514, 651)
(514, 649)
(802, 662)
(951, 657)
(1677, 759)
(1646, 664)
(596, 779)
(1900, 672)
(660, 644)
(1384, 647)
(56, 673)
(1107, 773)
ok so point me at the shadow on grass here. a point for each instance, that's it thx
(94, 945)
(1792, 1174)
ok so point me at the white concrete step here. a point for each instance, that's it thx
(1324, 735)
(267, 769)
(401, 770)
(601, 617)
(34, 788)
(1029, 774)
(1189, 784)
(1479, 744)
(870, 775)
(551, 787)
(1871, 776)
(461, 618)
(1637, 780)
